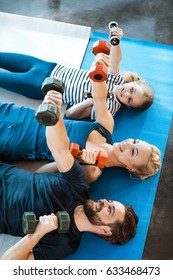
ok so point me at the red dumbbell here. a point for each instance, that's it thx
(98, 72)
(101, 159)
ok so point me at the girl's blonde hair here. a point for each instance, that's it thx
(153, 165)
(130, 77)
(148, 92)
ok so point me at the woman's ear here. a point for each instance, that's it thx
(130, 169)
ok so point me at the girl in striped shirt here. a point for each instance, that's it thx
(25, 75)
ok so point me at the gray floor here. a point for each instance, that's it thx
(150, 20)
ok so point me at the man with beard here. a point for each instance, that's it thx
(45, 194)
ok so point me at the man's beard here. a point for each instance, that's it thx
(91, 213)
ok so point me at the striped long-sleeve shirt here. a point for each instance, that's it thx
(77, 82)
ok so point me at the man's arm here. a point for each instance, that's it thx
(22, 250)
(58, 143)
(92, 172)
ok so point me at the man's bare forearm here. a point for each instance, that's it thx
(22, 250)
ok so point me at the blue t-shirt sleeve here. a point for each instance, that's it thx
(76, 176)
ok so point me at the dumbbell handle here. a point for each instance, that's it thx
(89, 95)
(47, 114)
(101, 158)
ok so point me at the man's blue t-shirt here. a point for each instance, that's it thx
(43, 194)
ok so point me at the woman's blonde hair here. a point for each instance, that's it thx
(153, 165)
(148, 92)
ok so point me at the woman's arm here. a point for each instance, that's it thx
(48, 167)
(81, 110)
(92, 173)
(56, 135)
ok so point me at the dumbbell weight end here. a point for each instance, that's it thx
(51, 83)
(47, 114)
(98, 73)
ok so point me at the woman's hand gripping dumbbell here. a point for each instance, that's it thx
(48, 112)
(92, 157)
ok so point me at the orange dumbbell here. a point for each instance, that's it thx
(98, 72)
(101, 159)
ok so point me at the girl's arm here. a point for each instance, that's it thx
(116, 53)
(99, 94)
(81, 110)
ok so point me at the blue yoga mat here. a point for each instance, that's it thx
(153, 62)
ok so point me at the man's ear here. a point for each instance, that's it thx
(104, 230)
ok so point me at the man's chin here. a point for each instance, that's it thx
(89, 210)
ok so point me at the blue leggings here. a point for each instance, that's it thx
(25, 74)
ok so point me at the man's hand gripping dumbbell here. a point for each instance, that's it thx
(46, 223)
(48, 114)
